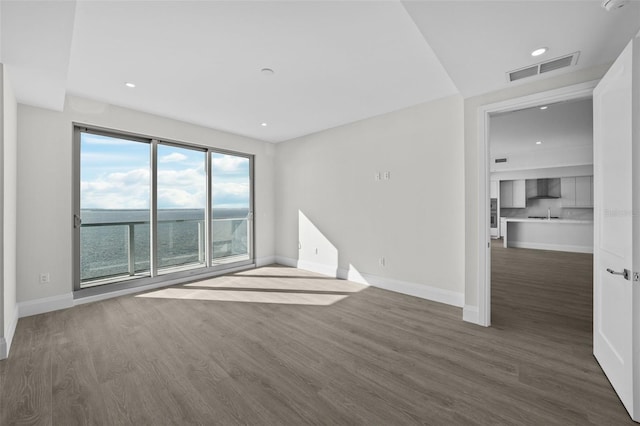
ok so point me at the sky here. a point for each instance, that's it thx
(115, 174)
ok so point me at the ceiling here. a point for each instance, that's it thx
(333, 62)
(558, 126)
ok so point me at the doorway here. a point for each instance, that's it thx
(483, 287)
(541, 172)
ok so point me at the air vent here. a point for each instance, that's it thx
(523, 73)
(556, 64)
(543, 67)
(500, 160)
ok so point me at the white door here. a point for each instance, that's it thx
(616, 315)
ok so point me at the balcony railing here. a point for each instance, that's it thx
(107, 253)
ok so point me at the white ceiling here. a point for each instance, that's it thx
(478, 42)
(560, 126)
(334, 62)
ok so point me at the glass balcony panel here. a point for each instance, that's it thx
(231, 207)
(114, 208)
(182, 184)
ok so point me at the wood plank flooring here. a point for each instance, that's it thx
(187, 355)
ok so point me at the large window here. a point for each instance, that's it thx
(148, 208)
(182, 189)
(231, 207)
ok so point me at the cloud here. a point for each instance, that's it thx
(180, 198)
(128, 190)
(228, 163)
(184, 188)
(231, 189)
(174, 157)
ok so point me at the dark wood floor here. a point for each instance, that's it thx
(328, 352)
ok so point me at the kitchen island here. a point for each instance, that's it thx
(575, 235)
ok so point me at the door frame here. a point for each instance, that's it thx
(483, 283)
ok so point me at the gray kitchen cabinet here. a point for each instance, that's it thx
(513, 194)
(577, 191)
(584, 191)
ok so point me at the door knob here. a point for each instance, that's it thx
(625, 273)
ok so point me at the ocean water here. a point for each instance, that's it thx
(104, 249)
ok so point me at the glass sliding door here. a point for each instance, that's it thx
(231, 203)
(147, 210)
(114, 208)
(182, 200)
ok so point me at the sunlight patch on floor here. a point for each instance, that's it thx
(288, 283)
(284, 298)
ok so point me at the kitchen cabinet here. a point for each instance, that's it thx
(568, 191)
(519, 194)
(577, 191)
(584, 191)
(494, 189)
(531, 188)
(513, 194)
(506, 194)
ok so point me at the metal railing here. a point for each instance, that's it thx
(217, 241)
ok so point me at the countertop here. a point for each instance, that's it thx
(530, 220)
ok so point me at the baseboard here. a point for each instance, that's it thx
(422, 291)
(330, 271)
(5, 342)
(471, 314)
(287, 261)
(46, 304)
(318, 268)
(264, 261)
(553, 247)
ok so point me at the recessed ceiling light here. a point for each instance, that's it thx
(263, 124)
(267, 71)
(539, 51)
(131, 85)
(544, 107)
(539, 143)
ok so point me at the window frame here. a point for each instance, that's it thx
(157, 279)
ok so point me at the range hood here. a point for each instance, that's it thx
(543, 189)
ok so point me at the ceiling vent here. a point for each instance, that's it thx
(543, 67)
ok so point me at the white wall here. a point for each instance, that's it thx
(8, 203)
(571, 156)
(471, 106)
(551, 172)
(45, 184)
(327, 199)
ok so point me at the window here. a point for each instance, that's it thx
(147, 209)
(231, 207)
(182, 189)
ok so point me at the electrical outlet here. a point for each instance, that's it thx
(316, 250)
(44, 278)
(387, 175)
(382, 261)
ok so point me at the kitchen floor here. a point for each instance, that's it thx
(550, 292)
